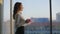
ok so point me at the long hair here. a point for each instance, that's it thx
(16, 7)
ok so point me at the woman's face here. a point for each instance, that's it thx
(21, 8)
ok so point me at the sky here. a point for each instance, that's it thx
(33, 8)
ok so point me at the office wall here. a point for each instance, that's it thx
(1, 16)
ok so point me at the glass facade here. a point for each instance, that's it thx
(40, 10)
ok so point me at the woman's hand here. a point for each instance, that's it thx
(28, 20)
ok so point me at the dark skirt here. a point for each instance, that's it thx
(20, 30)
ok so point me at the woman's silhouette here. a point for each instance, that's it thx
(17, 16)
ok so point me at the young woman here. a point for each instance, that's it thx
(17, 16)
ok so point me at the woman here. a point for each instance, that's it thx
(19, 21)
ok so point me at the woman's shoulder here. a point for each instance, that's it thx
(17, 14)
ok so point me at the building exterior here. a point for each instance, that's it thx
(40, 20)
(42, 28)
(36, 28)
(58, 17)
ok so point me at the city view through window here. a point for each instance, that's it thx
(39, 12)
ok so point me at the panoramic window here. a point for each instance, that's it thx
(34, 17)
(38, 12)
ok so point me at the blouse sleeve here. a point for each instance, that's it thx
(17, 19)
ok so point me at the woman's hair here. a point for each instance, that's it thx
(16, 8)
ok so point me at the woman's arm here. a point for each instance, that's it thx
(19, 20)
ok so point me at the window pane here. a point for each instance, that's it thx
(56, 16)
(6, 17)
(38, 12)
